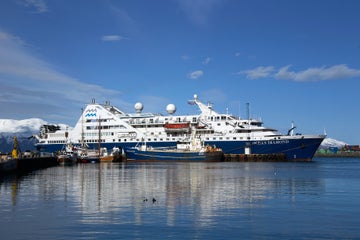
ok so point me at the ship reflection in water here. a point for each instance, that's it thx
(146, 199)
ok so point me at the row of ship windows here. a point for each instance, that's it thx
(149, 140)
(174, 139)
(178, 119)
(105, 127)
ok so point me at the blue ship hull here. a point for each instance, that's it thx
(166, 155)
(295, 149)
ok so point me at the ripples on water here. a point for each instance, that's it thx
(191, 201)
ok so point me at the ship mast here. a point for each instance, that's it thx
(99, 133)
(82, 132)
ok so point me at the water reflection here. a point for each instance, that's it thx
(109, 192)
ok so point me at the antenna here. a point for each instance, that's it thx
(248, 110)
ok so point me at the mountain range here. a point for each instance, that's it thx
(25, 129)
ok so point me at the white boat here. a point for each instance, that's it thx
(108, 126)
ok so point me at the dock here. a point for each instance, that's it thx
(26, 164)
(35, 163)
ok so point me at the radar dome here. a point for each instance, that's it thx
(138, 107)
(171, 108)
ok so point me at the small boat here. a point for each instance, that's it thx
(66, 159)
(187, 150)
(67, 156)
(88, 156)
(116, 155)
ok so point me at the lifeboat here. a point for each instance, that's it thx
(177, 126)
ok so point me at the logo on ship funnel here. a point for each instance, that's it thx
(90, 113)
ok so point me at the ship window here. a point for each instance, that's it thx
(214, 138)
(218, 124)
(234, 138)
(155, 139)
(125, 140)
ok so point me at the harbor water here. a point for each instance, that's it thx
(225, 200)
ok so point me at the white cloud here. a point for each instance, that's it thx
(40, 6)
(259, 72)
(196, 74)
(32, 87)
(341, 71)
(112, 38)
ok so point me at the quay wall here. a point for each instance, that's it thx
(27, 164)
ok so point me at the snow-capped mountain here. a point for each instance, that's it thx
(330, 142)
(22, 129)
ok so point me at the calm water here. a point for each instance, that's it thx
(317, 200)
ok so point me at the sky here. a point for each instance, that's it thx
(292, 61)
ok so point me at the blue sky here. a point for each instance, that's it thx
(291, 60)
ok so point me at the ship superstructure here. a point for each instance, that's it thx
(107, 126)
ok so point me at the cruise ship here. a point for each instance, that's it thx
(106, 126)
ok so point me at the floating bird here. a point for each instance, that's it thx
(153, 200)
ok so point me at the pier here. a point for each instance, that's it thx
(27, 164)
